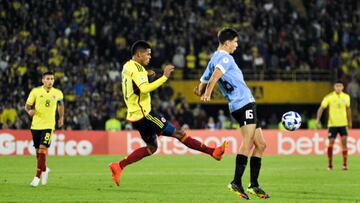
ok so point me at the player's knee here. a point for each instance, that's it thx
(262, 146)
(153, 147)
(179, 134)
(42, 150)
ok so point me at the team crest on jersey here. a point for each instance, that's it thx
(225, 60)
(54, 97)
(163, 119)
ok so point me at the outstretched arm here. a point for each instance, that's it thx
(217, 74)
(149, 87)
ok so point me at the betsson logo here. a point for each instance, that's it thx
(285, 145)
(315, 144)
(168, 145)
(10, 146)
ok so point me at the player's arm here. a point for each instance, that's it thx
(29, 110)
(348, 113)
(217, 74)
(61, 110)
(149, 87)
(29, 105)
(200, 89)
(323, 105)
(318, 116)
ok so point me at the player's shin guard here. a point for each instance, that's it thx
(41, 162)
(197, 145)
(241, 161)
(255, 165)
(330, 156)
(344, 155)
(137, 155)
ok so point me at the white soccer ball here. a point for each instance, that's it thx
(291, 120)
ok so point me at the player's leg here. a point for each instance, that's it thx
(147, 133)
(255, 165)
(167, 129)
(332, 136)
(140, 153)
(192, 143)
(43, 150)
(343, 134)
(41, 139)
(247, 133)
(117, 168)
(255, 160)
(36, 140)
(246, 117)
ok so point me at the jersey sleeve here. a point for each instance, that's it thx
(348, 101)
(61, 97)
(224, 63)
(206, 75)
(31, 98)
(325, 102)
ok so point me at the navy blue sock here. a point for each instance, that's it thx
(241, 162)
(255, 165)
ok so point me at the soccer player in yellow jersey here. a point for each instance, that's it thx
(338, 122)
(41, 105)
(136, 92)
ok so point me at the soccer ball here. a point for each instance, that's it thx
(291, 120)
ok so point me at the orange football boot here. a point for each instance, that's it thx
(219, 151)
(116, 171)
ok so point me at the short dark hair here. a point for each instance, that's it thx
(226, 34)
(47, 73)
(139, 46)
(338, 81)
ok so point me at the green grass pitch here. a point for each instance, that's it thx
(178, 179)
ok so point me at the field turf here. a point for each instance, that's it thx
(188, 179)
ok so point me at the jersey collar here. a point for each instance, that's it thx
(43, 87)
(137, 62)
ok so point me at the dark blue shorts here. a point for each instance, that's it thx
(42, 137)
(152, 125)
(246, 115)
(333, 131)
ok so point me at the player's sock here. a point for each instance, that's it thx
(137, 155)
(344, 155)
(41, 164)
(241, 161)
(255, 165)
(197, 145)
(330, 156)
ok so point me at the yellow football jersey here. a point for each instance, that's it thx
(337, 104)
(138, 104)
(45, 104)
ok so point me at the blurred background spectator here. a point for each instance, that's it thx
(85, 43)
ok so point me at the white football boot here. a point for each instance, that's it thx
(44, 176)
(35, 182)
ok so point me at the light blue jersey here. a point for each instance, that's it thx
(231, 84)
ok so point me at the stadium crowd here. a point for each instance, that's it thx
(85, 44)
